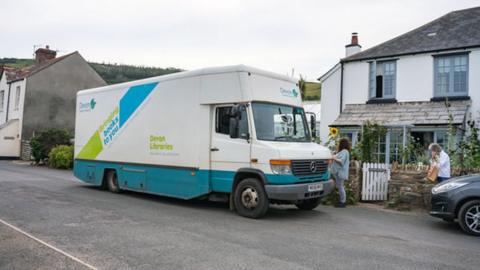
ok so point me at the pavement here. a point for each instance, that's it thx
(74, 226)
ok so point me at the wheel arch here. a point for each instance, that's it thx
(104, 175)
(464, 201)
(244, 173)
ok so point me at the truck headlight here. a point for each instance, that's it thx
(447, 187)
(281, 166)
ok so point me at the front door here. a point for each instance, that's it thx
(227, 154)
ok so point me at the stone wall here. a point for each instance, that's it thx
(26, 150)
(354, 182)
(408, 189)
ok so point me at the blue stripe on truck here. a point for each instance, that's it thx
(132, 99)
(183, 183)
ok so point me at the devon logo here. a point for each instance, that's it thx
(87, 106)
(289, 93)
(92, 103)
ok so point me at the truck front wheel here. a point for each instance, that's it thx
(250, 198)
(309, 204)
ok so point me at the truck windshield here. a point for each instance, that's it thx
(276, 122)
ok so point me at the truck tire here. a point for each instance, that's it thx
(469, 217)
(250, 198)
(308, 204)
(112, 182)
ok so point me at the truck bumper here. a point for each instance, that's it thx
(296, 192)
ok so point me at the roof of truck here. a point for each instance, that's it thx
(194, 73)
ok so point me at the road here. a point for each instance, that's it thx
(139, 231)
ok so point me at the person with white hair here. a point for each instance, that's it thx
(441, 160)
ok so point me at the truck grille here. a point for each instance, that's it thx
(309, 166)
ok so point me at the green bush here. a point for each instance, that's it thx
(61, 157)
(43, 142)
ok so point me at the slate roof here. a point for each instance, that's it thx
(15, 74)
(455, 30)
(403, 113)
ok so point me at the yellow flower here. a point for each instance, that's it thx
(333, 132)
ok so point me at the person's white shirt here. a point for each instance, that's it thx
(443, 165)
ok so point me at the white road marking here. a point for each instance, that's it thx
(48, 245)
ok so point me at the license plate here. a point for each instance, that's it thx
(315, 187)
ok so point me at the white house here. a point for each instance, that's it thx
(39, 97)
(404, 83)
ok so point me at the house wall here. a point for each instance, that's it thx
(330, 100)
(51, 94)
(10, 139)
(414, 83)
(474, 84)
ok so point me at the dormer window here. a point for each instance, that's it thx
(451, 75)
(382, 79)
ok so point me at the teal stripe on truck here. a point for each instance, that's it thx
(177, 182)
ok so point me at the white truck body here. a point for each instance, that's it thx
(164, 135)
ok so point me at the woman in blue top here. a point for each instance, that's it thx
(340, 167)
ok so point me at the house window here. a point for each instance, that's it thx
(2, 100)
(382, 79)
(17, 98)
(352, 135)
(396, 145)
(451, 75)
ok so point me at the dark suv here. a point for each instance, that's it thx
(459, 199)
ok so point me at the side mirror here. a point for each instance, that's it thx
(313, 124)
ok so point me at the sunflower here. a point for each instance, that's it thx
(333, 132)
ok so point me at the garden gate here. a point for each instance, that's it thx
(375, 181)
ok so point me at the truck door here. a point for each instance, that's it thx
(228, 154)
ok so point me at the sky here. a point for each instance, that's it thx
(300, 37)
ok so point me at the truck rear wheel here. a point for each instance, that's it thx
(308, 204)
(250, 198)
(112, 182)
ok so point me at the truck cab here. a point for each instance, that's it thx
(270, 147)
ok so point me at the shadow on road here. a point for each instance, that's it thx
(446, 227)
(276, 212)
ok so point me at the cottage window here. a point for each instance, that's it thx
(382, 79)
(17, 98)
(2, 99)
(451, 75)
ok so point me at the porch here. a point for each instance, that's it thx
(420, 123)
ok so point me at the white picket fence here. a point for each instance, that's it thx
(375, 181)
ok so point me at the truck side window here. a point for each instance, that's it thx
(222, 119)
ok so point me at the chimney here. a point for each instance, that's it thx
(353, 47)
(42, 55)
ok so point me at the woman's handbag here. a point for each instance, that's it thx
(432, 174)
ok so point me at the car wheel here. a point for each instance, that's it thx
(112, 182)
(250, 199)
(309, 204)
(469, 217)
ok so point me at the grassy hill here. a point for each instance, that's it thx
(111, 73)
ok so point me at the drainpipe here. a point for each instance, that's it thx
(341, 87)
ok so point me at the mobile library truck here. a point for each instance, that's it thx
(235, 133)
